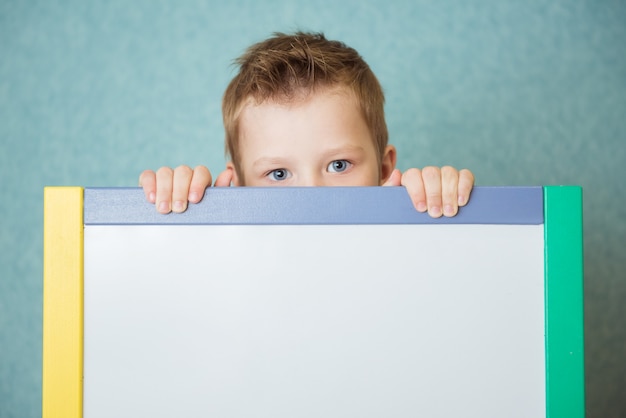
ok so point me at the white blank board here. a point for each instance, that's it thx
(314, 320)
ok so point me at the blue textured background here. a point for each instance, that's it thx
(523, 93)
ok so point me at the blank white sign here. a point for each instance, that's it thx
(314, 320)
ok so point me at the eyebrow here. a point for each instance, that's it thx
(344, 149)
(271, 161)
(354, 152)
(332, 152)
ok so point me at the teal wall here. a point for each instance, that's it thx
(523, 93)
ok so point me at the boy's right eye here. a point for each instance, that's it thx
(279, 174)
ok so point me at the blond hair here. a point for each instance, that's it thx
(287, 67)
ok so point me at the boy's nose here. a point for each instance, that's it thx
(311, 181)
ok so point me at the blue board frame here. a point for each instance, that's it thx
(306, 205)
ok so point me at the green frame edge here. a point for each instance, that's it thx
(564, 302)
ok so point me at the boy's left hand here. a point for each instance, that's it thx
(439, 190)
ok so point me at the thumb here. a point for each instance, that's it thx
(225, 178)
(394, 179)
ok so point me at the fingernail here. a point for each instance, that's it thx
(164, 207)
(193, 197)
(435, 211)
(179, 206)
(421, 207)
(152, 197)
(461, 200)
(448, 210)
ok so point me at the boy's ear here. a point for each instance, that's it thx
(388, 163)
(234, 177)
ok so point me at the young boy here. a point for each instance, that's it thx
(306, 111)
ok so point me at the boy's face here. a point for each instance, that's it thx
(319, 141)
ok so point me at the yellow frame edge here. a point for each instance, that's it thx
(62, 378)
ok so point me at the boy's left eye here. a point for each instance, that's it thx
(279, 174)
(338, 166)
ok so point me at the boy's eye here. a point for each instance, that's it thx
(279, 174)
(338, 166)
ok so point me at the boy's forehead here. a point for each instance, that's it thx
(331, 114)
(336, 107)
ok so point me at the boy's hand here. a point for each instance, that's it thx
(171, 190)
(439, 190)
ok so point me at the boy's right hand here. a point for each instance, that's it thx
(171, 190)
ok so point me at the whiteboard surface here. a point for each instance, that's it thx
(309, 321)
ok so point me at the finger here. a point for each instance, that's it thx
(200, 180)
(224, 178)
(164, 184)
(414, 184)
(449, 190)
(147, 180)
(432, 186)
(395, 179)
(180, 190)
(466, 183)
